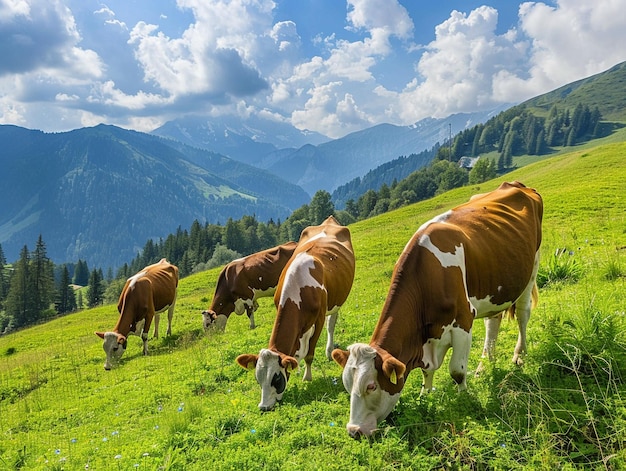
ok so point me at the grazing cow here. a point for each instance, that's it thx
(473, 261)
(313, 285)
(245, 280)
(144, 296)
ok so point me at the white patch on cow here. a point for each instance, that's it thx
(263, 293)
(267, 366)
(447, 259)
(484, 307)
(133, 279)
(298, 276)
(240, 305)
(369, 403)
(220, 322)
(434, 352)
(440, 218)
(316, 236)
(139, 327)
(304, 343)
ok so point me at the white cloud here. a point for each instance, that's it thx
(339, 83)
(469, 67)
(240, 56)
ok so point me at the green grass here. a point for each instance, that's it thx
(189, 406)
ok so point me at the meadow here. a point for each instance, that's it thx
(188, 405)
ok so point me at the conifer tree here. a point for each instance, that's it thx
(66, 301)
(4, 282)
(42, 277)
(20, 304)
(95, 291)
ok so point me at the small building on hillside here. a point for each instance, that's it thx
(468, 162)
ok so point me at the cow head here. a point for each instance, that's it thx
(374, 380)
(212, 320)
(271, 370)
(114, 346)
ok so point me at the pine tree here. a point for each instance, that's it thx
(20, 304)
(81, 273)
(4, 282)
(66, 300)
(42, 277)
(95, 291)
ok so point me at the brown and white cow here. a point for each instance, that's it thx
(243, 281)
(473, 261)
(145, 295)
(313, 286)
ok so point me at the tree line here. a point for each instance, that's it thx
(33, 289)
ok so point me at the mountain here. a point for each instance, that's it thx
(606, 90)
(243, 139)
(100, 193)
(303, 158)
(333, 163)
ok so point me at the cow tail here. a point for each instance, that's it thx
(534, 299)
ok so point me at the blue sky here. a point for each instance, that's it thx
(330, 66)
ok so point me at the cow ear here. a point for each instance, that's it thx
(289, 363)
(393, 369)
(340, 356)
(247, 361)
(100, 334)
(121, 339)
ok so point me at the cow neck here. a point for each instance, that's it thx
(399, 331)
(128, 312)
(286, 331)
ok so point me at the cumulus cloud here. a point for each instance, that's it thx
(334, 82)
(39, 35)
(469, 67)
(240, 56)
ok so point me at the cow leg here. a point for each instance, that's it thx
(146, 329)
(461, 344)
(250, 312)
(492, 327)
(170, 315)
(427, 386)
(522, 311)
(331, 321)
(157, 317)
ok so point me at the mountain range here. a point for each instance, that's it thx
(319, 163)
(98, 194)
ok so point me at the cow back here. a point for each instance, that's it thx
(150, 290)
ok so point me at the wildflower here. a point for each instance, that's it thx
(57, 452)
(117, 457)
(253, 431)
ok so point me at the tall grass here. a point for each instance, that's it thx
(188, 406)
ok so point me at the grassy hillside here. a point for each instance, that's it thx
(189, 406)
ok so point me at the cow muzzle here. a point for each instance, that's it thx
(358, 431)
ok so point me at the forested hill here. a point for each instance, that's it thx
(99, 193)
(575, 113)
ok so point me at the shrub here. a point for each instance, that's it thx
(613, 270)
(561, 267)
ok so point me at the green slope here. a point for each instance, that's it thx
(189, 406)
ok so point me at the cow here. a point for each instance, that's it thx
(313, 286)
(473, 261)
(243, 281)
(145, 295)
